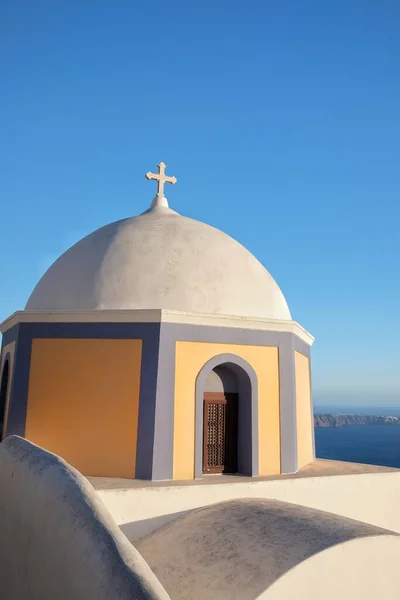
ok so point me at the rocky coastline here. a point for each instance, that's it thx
(341, 420)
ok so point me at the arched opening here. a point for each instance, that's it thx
(3, 395)
(226, 417)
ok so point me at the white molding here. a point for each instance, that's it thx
(170, 316)
(81, 316)
(156, 316)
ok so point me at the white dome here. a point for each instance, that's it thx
(160, 260)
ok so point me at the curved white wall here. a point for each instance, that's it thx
(251, 549)
(371, 497)
(57, 540)
(362, 569)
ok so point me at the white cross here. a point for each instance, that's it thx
(161, 178)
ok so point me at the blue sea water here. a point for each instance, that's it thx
(371, 444)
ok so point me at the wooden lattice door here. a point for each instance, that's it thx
(220, 433)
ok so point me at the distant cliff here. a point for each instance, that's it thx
(331, 420)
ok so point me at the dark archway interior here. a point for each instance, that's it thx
(229, 378)
(3, 395)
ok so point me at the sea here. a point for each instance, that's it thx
(371, 444)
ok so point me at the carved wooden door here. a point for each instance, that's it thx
(220, 433)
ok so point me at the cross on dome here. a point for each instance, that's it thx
(161, 179)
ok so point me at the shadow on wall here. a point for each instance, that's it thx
(137, 529)
(57, 532)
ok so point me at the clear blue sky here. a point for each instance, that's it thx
(280, 119)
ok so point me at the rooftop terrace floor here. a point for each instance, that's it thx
(318, 468)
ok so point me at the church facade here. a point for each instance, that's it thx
(159, 348)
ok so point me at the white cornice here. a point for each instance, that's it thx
(155, 316)
(171, 316)
(82, 316)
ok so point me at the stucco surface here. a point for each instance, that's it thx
(237, 550)
(160, 260)
(363, 492)
(57, 539)
(362, 569)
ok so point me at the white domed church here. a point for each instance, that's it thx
(159, 348)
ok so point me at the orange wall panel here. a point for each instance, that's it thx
(190, 358)
(83, 402)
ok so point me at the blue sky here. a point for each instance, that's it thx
(280, 119)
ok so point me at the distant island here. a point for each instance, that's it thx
(340, 420)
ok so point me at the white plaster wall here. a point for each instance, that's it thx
(362, 569)
(57, 540)
(372, 497)
(221, 379)
(237, 550)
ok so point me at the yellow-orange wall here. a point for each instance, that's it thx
(305, 452)
(83, 402)
(190, 358)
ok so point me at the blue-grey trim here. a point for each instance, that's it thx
(19, 386)
(248, 437)
(163, 457)
(288, 412)
(312, 409)
(300, 346)
(223, 335)
(147, 404)
(11, 335)
(303, 348)
(117, 331)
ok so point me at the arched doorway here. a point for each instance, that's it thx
(226, 417)
(3, 395)
(220, 421)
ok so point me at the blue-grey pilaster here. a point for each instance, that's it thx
(163, 448)
(288, 412)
